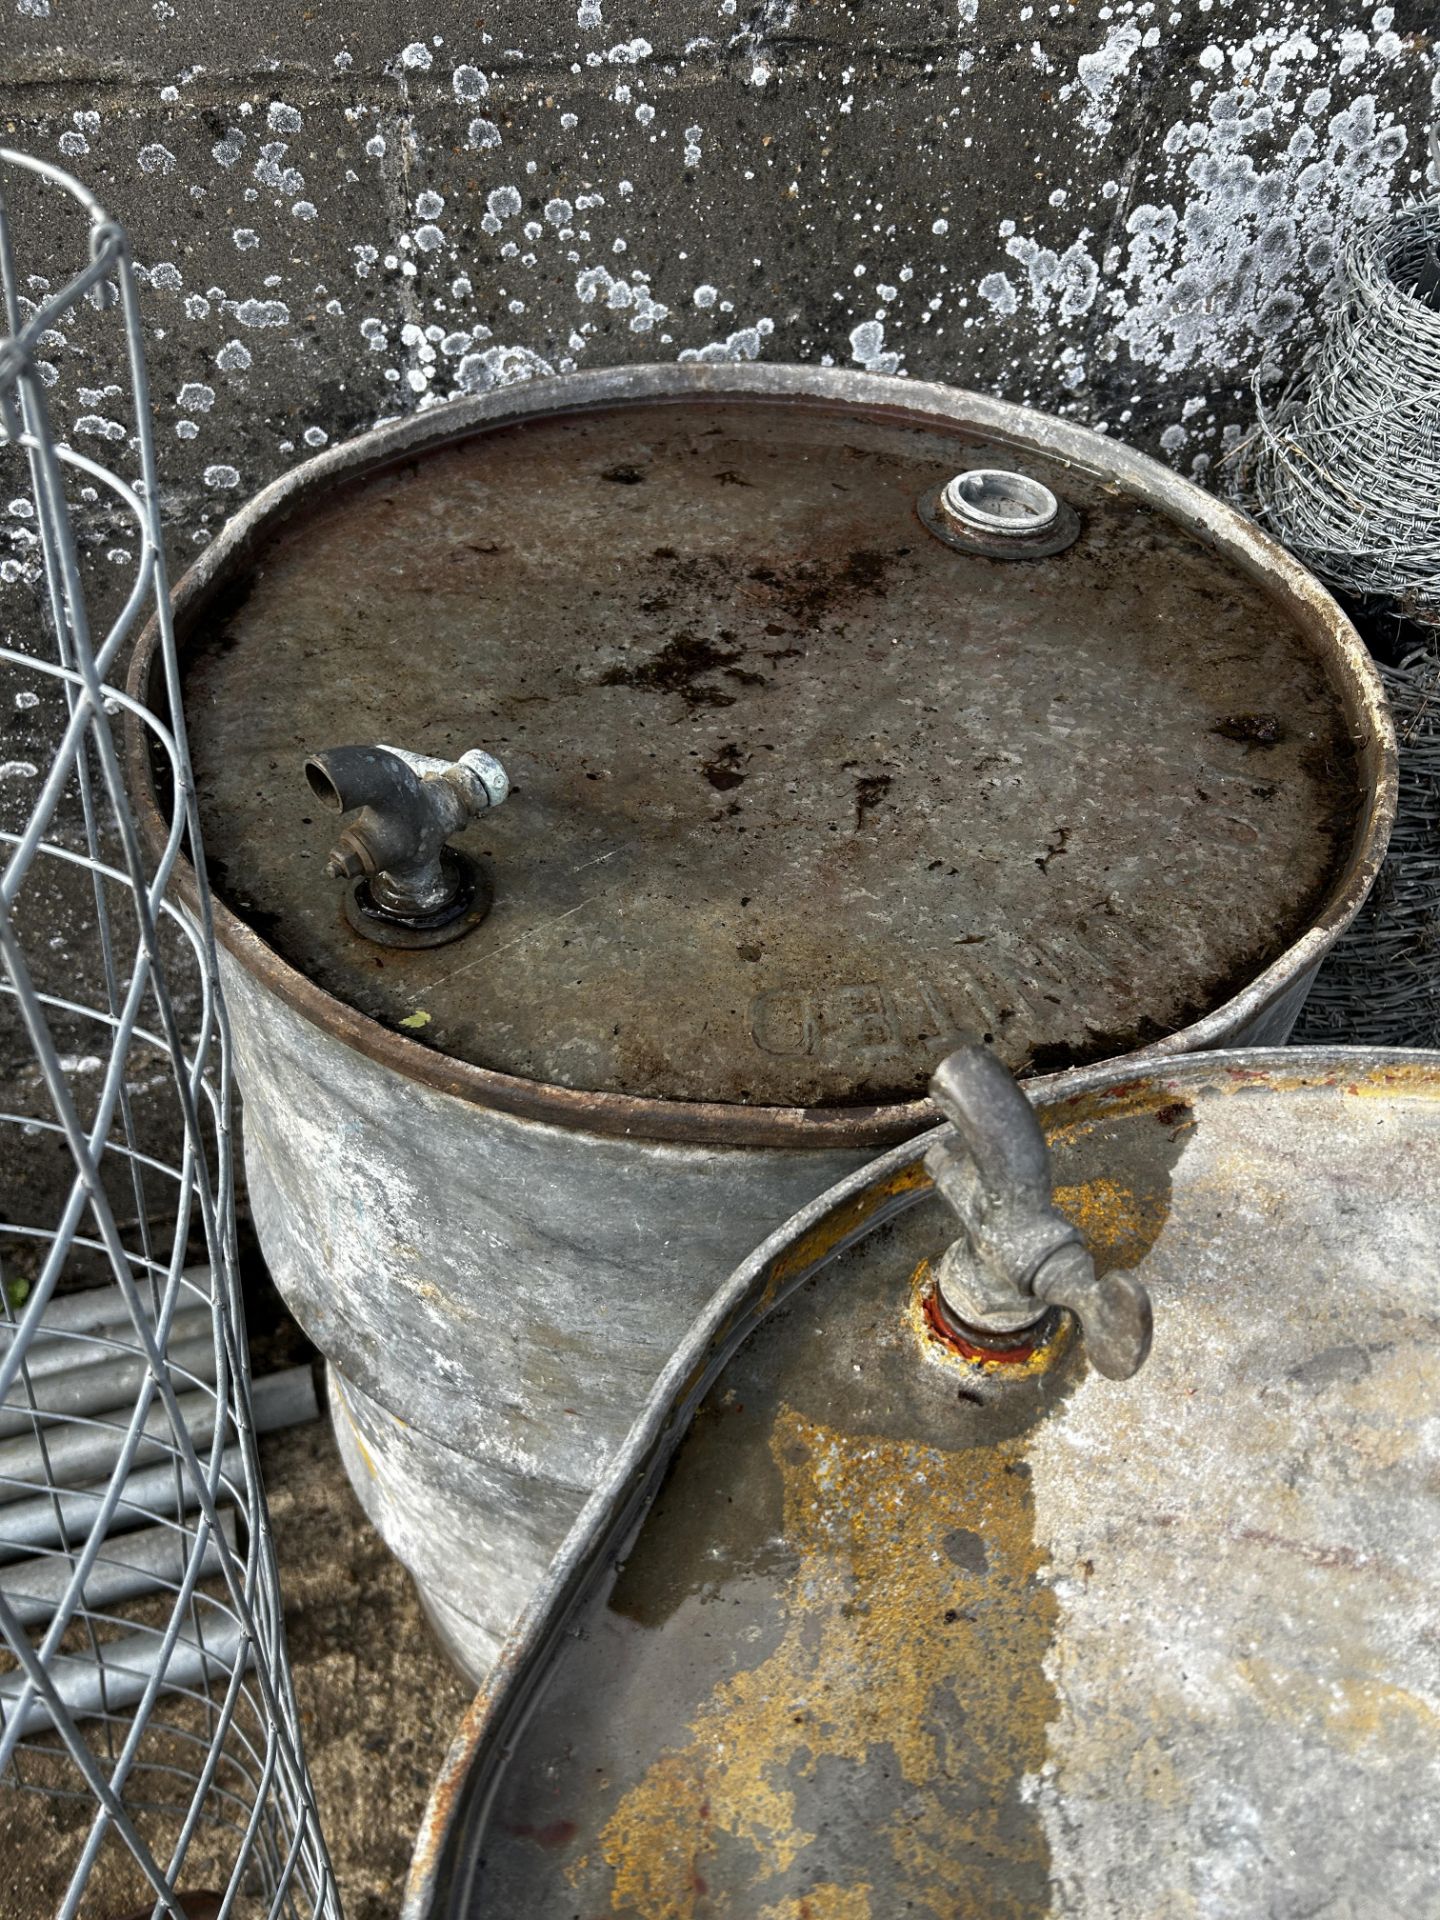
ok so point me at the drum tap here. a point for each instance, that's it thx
(407, 887)
(1017, 1258)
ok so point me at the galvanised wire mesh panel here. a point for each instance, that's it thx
(144, 1687)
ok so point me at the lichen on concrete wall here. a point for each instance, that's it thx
(1110, 210)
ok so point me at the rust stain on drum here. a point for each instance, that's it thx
(1219, 1576)
(821, 1676)
(1120, 1225)
(1029, 1353)
(814, 1246)
(799, 792)
(900, 1640)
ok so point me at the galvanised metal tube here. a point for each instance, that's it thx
(100, 1345)
(51, 1520)
(98, 1309)
(108, 1381)
(87, 1449)
(89, 1687)
(130, 1564)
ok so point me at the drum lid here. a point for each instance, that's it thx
(800, 788)
(905, 1631)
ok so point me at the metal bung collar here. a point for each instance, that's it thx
(1000, 514)
(1017, 1258)
(992, 500)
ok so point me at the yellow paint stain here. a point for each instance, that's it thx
(823, 1903)
(1073, 1118)
(356, 1435)
(821, 1240)
(829, 1232)
(1414, 1079)
(1079, 1116)
(886, 1633)
(1114, 1222)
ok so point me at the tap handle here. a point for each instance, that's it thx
(996, 1125)
(1017, 1256)
(995, 1172)
(1117, 1320)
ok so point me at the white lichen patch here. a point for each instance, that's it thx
(1161, 205)
(746, 343)
(867, 346)
(1221, 248)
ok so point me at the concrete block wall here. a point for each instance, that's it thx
(349, 210)
(345, 210)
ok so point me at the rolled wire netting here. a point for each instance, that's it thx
(145, 1695)
(1345, 466)
(1381, 985)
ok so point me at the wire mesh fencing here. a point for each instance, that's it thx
(150, 1753)
(1344, 469)
(1381, 984)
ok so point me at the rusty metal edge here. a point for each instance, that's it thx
(447, 1845)
(821, 389)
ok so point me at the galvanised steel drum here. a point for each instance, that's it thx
(836, 715)
(917, 1626)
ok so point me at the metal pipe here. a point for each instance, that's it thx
(117, 1680)
(152, 1493)
(68, 1351)
(110, 1382)
(143, 1562)
(97, 1308)
(74, 1455)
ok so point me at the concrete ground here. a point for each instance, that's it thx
(378, 1704)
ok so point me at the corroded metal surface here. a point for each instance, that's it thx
(493, 1264)
(497, 1294)
(800, 792)
(902, 1633)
